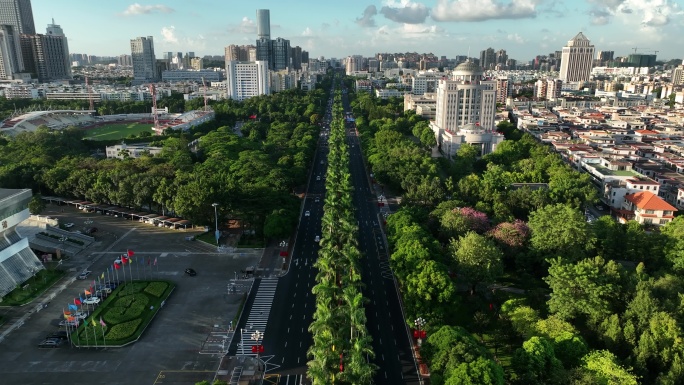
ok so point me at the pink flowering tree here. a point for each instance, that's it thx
(477, 220)
(511, 234)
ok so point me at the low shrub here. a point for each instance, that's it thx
(123, 330)
(126, 308)
(156, 289)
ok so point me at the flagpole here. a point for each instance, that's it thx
(95, 337)
(124, 269)
(130, 269)
(85, 329)
(109, 277)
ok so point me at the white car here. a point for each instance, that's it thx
(317, 239)
(80, 315)
(84, 274)
(318, 177)
(92, 301)
(69, 225)
(307, 213)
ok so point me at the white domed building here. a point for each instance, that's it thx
(466, 108)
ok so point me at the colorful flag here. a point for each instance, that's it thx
(87, 292)
(67, 316)
(70, 318)
(81, 299)
(77, 301)
(142, 260)
(102, 323)
(117, 266)
(130, 253)
(93, 322)
(130, 260)
(73, 307)
(102, 276)
(124, 259)
(66, 312)
(155, 261)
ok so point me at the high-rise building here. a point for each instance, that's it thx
(11, 61)
(47, 56)
(577, 59)
(354, 63)
(603, 57)
(246, 79)
(296, 57)
(18, 13)
(465, 112)
(678, 75)
(196, 63)
(124, 60)
(501, 57)
(641, 60)
(488, 58)
(280, 54)
(502, 89)
(263, 50)
(144, 61)
(263, 24)
(238, 52)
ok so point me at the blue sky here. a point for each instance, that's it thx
(339, 28)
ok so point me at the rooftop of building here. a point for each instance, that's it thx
(646, 200)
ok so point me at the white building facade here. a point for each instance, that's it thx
(577, 59)
(466, 111)
(247, 79)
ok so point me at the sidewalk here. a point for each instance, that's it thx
(272, 264)
(240, 370)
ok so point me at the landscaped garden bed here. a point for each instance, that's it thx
(124, 315)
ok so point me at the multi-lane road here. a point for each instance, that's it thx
(290, 307)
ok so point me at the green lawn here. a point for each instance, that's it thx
(34, 287)
(117, 131)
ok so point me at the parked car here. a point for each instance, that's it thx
(190, 272)
(79, 315)
(84, 274)
(68, 323)
(105, 289)
(62, 335)
(91, 230)
(92, 301)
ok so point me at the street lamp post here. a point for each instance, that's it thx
(216, 233)
(420, 322)
(242, 342)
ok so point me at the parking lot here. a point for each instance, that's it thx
(168, 351)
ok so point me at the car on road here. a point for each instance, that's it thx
(92, 301)
(68, 225)
(318, 177)
(50, 343)
(84, 274)
(317, 199)
(190, 272)
(317, 239)
(307, 213)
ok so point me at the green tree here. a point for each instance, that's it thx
(36, 205)
(477, 259)
(601, 367)
(560, 230)
(481, 371)
(536, 363)
(589, 287)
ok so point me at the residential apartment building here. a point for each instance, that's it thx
(47, 56)
(241, 52)
(11, 61)
(247, 79)
(576, 60)
(646, 208)
(144, 60)
(502, 90)
(18, 14)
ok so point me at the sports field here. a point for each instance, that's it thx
(117, 130)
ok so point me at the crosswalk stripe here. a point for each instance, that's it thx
(258, 315)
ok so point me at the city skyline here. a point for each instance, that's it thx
(525, 28)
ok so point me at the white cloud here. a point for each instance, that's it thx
(647, 13)
(409, 31)
(367, 19)
(514, 37)
(307, 32)
(246, 26)
(480, 10)
(137, 9)
(169, 35)
(405, 11)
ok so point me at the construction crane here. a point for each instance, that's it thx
(90, 94)
(645, 49)
(153, 91)
(204, 84)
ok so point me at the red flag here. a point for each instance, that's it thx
(117, 266)
(124, 259)
(130, 253)
(77, 301)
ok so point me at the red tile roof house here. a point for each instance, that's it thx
(646, 208)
